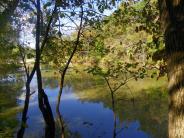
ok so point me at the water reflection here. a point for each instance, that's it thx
(9, 90)
(87, 112)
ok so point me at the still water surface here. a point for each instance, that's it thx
(88, 117)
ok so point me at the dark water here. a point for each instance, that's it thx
(88, 117)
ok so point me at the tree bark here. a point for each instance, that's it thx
(42, 97)
(61, 122)
(63, 73)
(114, 113)
(21, 131)
(172, 19)
(29, 77)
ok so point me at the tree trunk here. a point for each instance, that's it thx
(114, 113)
(61, 122)
(29, 77)
(21, 131)
(44, 100)
(42, 97)
(172, 18)
(63, 73)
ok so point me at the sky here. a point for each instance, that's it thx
(27, 35)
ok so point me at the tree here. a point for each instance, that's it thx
(9, 8)
(28, 92)
(9, 60)
(132, 19)
(114, 64)
(42, 97)
(8, 37)
(60, 53)
(172, 12)
(63, 53)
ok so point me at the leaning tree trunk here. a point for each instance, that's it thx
(63, 73)
(42, 97)
(24, 113)
(60, 118)
(172, 17)
(29, 78)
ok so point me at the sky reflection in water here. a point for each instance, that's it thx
(90, 120)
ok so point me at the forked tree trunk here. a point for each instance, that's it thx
(172, 18)
(42, 97)
(29, 78)
(43, 100)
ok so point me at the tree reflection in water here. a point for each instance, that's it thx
(87, 109)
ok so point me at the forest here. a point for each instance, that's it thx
(91, 68)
